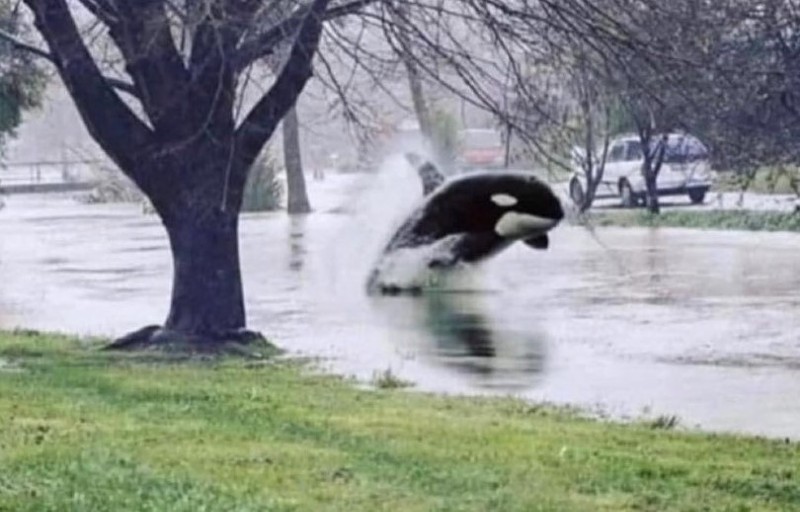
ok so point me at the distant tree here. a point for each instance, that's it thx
(589, 128)
(21, 80)
(616, 70)
(297, 202)
(652, 122)
(728, 71)
(745, 96)
(400, 17)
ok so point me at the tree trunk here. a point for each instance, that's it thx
(400, 18)
(297, 202)
(207, 297)
(651, 195)
(650, 171)
(418, 99)
(190, 157)
(207, 309)
(650, 176)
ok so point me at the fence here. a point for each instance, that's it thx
(47, 176)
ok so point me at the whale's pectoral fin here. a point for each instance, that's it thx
(541, 242)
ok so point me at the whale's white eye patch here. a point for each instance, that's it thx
(504, 200)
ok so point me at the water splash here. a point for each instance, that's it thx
(376, 211)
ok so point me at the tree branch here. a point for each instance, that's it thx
(123, 136)
(142, 33)
(19, 45)
(101, 10)
(264, 43)
(262, 120)
(219, 28)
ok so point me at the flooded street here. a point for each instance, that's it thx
(702, 325)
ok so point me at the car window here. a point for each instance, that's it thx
(685, 149)
(634, 151)
(617, 152)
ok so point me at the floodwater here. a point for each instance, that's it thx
(702, 325)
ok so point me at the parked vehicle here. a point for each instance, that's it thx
(685, 170)
(481, 148)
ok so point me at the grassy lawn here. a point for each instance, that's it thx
(742, 220)
(765, 181)
(84, 430)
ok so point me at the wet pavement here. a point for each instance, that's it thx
(702, 325)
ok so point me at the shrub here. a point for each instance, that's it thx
(264, 190)
(112, 187)
(445, 136)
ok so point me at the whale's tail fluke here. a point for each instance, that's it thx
(431, 176)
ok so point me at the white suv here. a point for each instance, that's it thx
(685, 170)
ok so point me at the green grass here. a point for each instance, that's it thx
(82, 430)
(767, 180)
(742, 220)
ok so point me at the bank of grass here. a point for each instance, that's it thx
(84, 430)
(767, 180)
(742, 220)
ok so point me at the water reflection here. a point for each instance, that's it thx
(457, 331)
(297, 247)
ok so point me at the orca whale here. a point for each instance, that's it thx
(470, 218)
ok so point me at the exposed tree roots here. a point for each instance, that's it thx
(242, 343)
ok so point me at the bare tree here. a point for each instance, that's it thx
(727, 70)
(297, 195)
(591, 111)
(179, 140)
(744, 99)
(400, 17)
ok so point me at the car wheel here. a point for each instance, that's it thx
(576, 192)
(626, 193)
(697, 195)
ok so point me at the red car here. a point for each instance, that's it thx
(479, 147)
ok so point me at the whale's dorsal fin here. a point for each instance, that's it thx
(431, 176)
